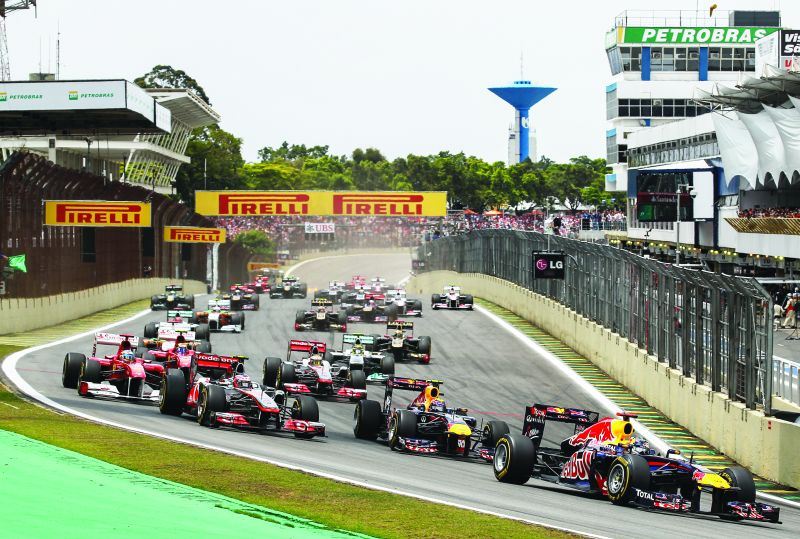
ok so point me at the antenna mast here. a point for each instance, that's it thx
(6, 7)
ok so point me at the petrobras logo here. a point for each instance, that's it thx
(525, 122)
(180, 234)
(263, 203)
(97, 213)
(391, 204)
(73, 95)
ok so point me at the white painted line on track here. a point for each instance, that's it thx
(594, 392)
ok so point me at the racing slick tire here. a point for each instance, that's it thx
(203, 346)
(71, 371)
(403, 424)
(212, 399)
(303, 290)
(153, 303)
(626, 474)
(387, 365)
(306, 408)
(172, 393)
(193, 318)
(300, 317)
(368, 416)
(90, 371)
(742, 479)
(270, 372)
(286, 374)
(391, 313)
(375, 340)
(237, 319)
(416, 305)
(424, 347)
(493, 431)
(190, 301)
(357, 379)
(341, 319)
(514, 457)
(202, 332)
(151, 330)
(350, 310)
(435, 298)
(256, 302)
(469, 301)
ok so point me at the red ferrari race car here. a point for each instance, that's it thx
(259, 285)
(358, 282)
(311, 373)
(604, 457)
(119, 374)
(216, 391)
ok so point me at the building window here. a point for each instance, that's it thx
(631, 58)
(655, 108)
(674, 58)
(611, 105)
(731, 59)
(611, 149)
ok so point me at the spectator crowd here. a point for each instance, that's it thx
(789, 213)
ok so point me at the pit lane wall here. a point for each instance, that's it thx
(25, 314)
(765, 445)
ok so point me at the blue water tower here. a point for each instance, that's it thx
(522, 95)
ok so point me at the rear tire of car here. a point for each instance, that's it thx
(350, 310)
(626, 474)
(90, 371)
(416, 305)
(71, 371)
(424, 345)
(391, 313)
(368, 416)
(237, 319)
(341, 319)
(256, 303)
(286, 374)
(151, 330)
(357, 379)
(270, 372)
(402, 425)
(172, 394)
(303, 290)
(190, 301)
(305, 408)
(742, 479)
(435, 298)
(202, 332)
(212, 400)
(514, 457)
(493, 431)
(375, 339)
(300, 317)
(387, 365)
(153, 302)
(469, 301)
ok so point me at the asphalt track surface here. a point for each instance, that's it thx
(484, 368)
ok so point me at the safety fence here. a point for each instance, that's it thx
(67, 259)
(714, 328)
(786, 379)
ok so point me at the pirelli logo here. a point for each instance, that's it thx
(327, 203)
(97, 213)
(193, 234)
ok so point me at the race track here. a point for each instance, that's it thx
(484, 369)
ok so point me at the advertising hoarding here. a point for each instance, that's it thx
(193, 234)
(97, 213)
(742, 35)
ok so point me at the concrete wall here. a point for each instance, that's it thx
(23, 314)
(767, 446)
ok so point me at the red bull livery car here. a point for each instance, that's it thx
(604, 457)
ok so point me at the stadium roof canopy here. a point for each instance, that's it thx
(80, 107)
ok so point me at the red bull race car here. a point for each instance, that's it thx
(118, 374)
(604, 457)
(215, 390)
(242, 298)
(426, 425)
(321, 317)
(307, 370)
(452, 298)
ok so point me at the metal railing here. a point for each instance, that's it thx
(715, 328)
(786, 379)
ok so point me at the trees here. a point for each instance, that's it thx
(164, 76)
(257, 242)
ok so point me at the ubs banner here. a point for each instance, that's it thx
(350, 203)
(96, 213)
(193, 234)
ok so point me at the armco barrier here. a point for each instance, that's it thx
(766, 445)
(25, 314)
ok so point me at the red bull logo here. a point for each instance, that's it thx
(599, 432)
(578, 465)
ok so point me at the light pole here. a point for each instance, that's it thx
(682, 188)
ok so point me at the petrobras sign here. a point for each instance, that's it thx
(548, 265)
(320, 228)
(66, 95)
(97, 213)
(739, 35)
(193, 234)
(351, 203)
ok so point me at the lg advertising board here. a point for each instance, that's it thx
(333, 203)
(548, 265)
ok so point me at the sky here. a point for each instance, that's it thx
(405, 76)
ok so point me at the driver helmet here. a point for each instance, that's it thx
(128, 355)
(242, 381)
(215, 309)
(315, 354)
(358, 347)
(399, 332)
(321, 309)
(436, 405)
(452, 289)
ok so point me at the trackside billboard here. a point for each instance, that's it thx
(344, 203)
(740, 35)
(97, 213)
(193, 234)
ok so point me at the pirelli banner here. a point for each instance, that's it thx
(98, 213)
(193, 234)
(351, 203)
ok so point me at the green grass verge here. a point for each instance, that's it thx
(334, 504)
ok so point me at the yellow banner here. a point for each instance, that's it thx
(97, 213)
(193, 234)
(255, 266)
(352, 203)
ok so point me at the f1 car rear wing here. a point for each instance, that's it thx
(306, 346)
(171, 315)
(173, 288)
(536, 415)
(114, 339)
(170, 334)
(350, 338)
(221, 303)
(213, 361)
(400, 324)
(410, 384)
(321, 302)
(448, 287)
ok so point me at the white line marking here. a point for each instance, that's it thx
(10, 405)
